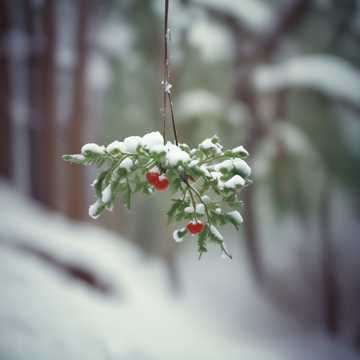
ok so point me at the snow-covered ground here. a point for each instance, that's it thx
(47, 314)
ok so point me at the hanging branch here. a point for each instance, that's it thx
(147, 164)
(166, 84)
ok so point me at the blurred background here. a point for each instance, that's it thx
(280, 77)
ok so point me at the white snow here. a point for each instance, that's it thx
(116, 145)
(126, 164)
(206, 199)
(106, 194)
(198, 103)
(216, 175)
(155, 169)
(94, 208)
(329, 74)
(240, 150)
(224, 165)
(193, 163)
(175, 155)
(257, 15)
(93, 148)
(205, 171)
(216, 233)
(152, 139)
(200, 209)
(99, 74)
(132, 143)
(158, 149)
(231, 164)
(46, 314)
(234, 182)
(236, 216)
(224, 253)
(176, 236)
(115, 38)
(207, 144)
(167, 85)
(242, 166)
(78, 157)
(211, 39)
(189, 209)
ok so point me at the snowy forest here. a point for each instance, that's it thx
(277, 79)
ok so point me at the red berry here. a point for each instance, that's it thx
(195, 227)
(152, 177)
(161, 184)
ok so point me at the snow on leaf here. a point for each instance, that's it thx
(216, 233)
(208, 144)
(242, 166)
(158, 149)
(236, 216)
(106, 195)
(240, 150)
(132, 143)
(152, 139)
(93, 148)
(94, 209)
(116, 145)
(234, 182)
(126, 164)
(179, 234)
(175, 155)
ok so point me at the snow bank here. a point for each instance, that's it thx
(47, 315)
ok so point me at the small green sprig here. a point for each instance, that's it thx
(205, 181)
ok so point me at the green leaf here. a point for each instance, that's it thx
(202, 248)
(127, 196)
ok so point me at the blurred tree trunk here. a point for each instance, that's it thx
(74, 132)
(34, 101)
(48, 95)
(329, 269)
(40, 25)
(244, 94)
(6, 157)
(264, 48)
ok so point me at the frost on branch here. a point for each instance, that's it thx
(205, 180)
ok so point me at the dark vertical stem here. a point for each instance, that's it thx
(6, 157)
(331, 287)
(252, 241)
(76, 199)
(166, 90)
(173, 118)
(166, 66)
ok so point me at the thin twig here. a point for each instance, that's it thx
(166, 67)
(166, 84)
(173, 118)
